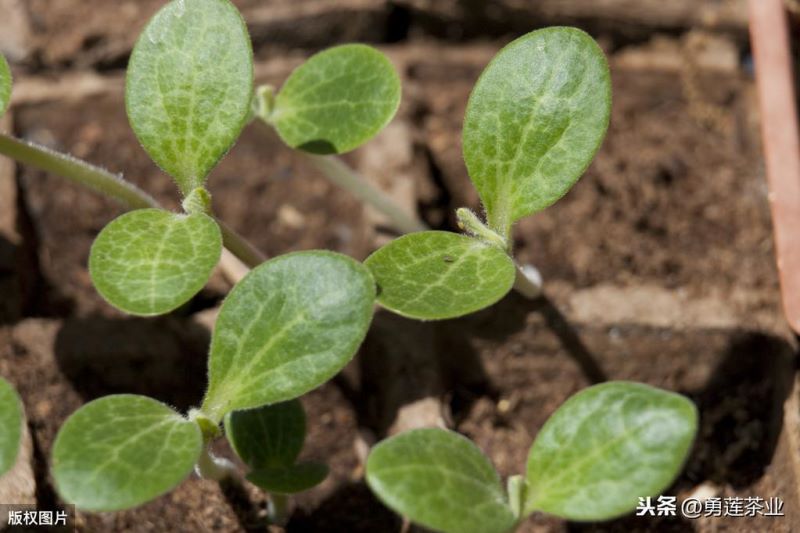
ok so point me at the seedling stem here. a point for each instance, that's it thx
(278, 509)
(340, 173)
(111, 185)
(214, 468)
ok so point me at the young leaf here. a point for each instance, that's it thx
(534, 121)
(150, 261)
(268, 436)
(5, 85)
(11, 420)
(121, 451)
(441, 480)
(289, 479)
(286, 328)
(438, 274)
(189, 86)
(606, 447)
(337, 100)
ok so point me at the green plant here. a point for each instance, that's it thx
(12, 418)
(534, 121)
(597, 454)
(286, 328)
(188, 94)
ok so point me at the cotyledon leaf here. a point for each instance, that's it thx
(189, 86)
(11, 420)
(268, 436)
(5, 85)
(441, 480)
(337, 100)
(121, 451)
(606, 447)
(534, 121)
(150, 261)
(438, 274)
(290, 325)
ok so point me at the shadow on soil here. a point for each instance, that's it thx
(164, 358)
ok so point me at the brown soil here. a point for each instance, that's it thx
(674, 208)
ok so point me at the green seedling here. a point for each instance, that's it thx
(268, 440)
(12, 418)
(188, 93)
(601, 451)
(286, 328)
(534, 121)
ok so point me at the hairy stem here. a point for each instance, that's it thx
(345, 177)
(340, 173)
(240, 247)
(95, 178)
(110, 185)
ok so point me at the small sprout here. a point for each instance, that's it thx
(269, 439)
(601, 451)
(416, 282)
(336, 101)
(12, 419)
(189, 87)
(534, 121)
(150, 261)
(5, 85)
(121, 451)
(290, 325)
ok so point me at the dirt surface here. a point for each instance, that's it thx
(659, 263)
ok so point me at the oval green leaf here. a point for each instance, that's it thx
(189, 86)
(150, 261)
(289, 479)
(337, 100)
(290, 325)
(121, 451)
(11, 420)
(441, 480)
(270, 436)
(5, 85)
(434, 275)
(534, 121)
(606, 447)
